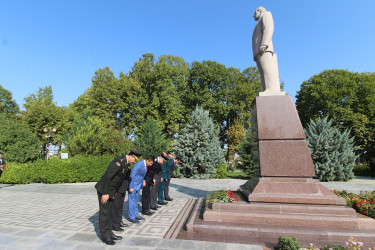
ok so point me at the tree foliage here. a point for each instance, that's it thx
(246, 154)
(347, 98)
(16, 142)
(332, 151)
(7, 104)
(198, 146)
(91, 137)
(151, 141)
(41, 112)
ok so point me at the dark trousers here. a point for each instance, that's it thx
(105, 218)
(166, 190)
(117, 207)
(155, 190)
(161, 191)
(146, 197)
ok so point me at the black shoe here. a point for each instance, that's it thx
(109, 241)
(139, 218)
(153, 208)
(169, 199)
(122, 224)
(148, 212)
(163, 203)
(119, 229)
(116, 237)
(134, 221)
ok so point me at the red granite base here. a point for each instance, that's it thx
(264, 223)
(289, 190)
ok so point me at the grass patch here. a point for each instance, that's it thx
(237, 175)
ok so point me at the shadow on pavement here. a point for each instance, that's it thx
(197, 193)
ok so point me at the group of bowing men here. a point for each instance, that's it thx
(152, 175)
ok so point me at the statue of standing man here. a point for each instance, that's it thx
(263, 53)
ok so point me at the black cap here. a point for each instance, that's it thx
(164, 156)
(135, 152)
(171, 152)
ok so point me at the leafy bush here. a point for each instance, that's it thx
(221, 171)
(362, 170)
(334, 247)
(17, 142)
(332, 151)
(288, 243)
(76, 169)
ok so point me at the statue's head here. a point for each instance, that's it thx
(259, 13)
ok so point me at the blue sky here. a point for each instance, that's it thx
(63, 42)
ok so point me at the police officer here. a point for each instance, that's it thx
(107, 188)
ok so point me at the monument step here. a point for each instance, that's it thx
(181, 219)
(280, 208)
(268, 235)
(278, 219)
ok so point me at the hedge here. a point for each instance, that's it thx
(76, 169)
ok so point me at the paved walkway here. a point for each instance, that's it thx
(65, 216)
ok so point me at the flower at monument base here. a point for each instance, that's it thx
(230, 195)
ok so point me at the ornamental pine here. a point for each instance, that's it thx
(198, 147)
(332, 151)
(151, 141)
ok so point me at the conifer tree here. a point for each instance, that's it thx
(198, 146)
(332, 151)
(246, 153)
(151, 141)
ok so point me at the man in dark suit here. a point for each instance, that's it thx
(107, 188)
(2, 164)
(155, 188)
(170, 173)
(150, 179)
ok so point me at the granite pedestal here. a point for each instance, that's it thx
(284, 198)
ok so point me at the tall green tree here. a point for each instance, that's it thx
(7, 104)
(91, 136)
(236, 134)
(246, 162)
(198, 146)
(164, 82)
(348, 98)
(332, 151)
(41, 112)
(150, 139)
(17, 142)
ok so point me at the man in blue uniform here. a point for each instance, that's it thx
(107, 188)
(136, 183)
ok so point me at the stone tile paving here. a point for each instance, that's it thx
(65, 216)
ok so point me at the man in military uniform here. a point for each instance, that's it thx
(107, 188)
(170, 173)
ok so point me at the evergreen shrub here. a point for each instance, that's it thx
(77, 169)
(332, 151)
(198, 146)
(288, 243)
(362, 170)
(221, 171)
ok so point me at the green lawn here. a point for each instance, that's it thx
(237, 175)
